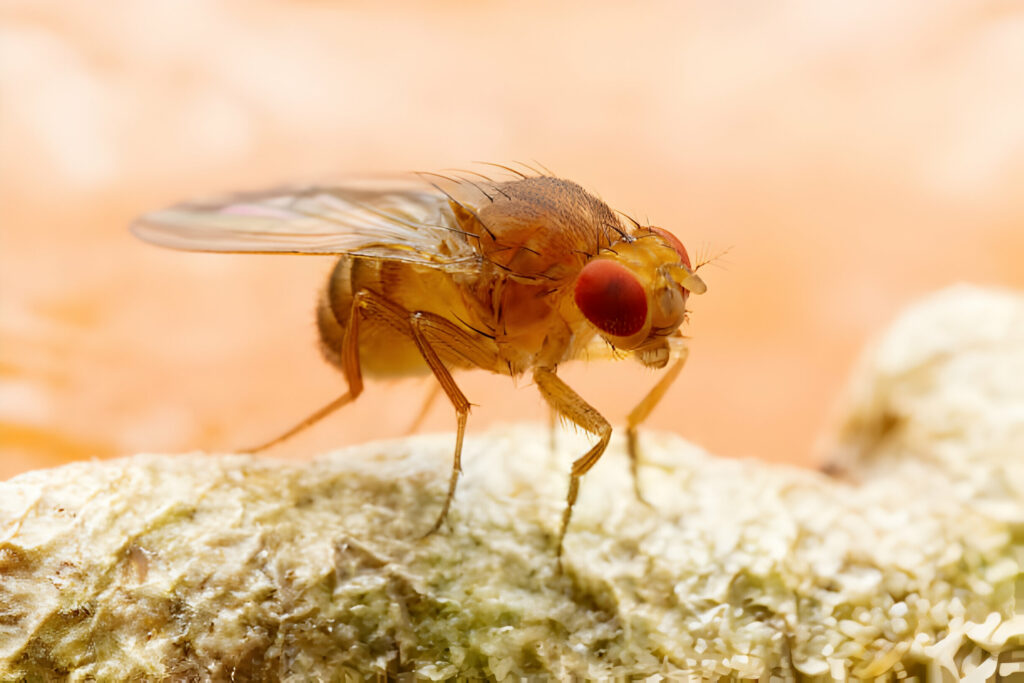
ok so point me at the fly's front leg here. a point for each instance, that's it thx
(644, 408)
(365, 304)
(567, 402)
(432, 332)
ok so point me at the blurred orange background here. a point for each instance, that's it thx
(851, 157)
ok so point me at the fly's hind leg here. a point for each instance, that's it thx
(644, 408)
(567, 402)
(365, 304)
(432, 332)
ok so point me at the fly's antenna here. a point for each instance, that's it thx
(447, 194)
(502, 166)
(711, 259)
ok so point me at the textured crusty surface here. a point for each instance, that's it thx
(232, 567)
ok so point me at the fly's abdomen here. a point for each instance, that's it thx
(386, 348)
(384, 351)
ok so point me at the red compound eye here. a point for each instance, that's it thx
(674, 243)
(611, 297)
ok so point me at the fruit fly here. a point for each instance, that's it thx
(511, 276)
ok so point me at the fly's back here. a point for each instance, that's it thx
(544, 228)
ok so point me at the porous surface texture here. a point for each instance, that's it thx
(907, 564)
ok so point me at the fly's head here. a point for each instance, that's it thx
(635, 293)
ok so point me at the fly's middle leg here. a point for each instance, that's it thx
(431, 332)
(567, 402)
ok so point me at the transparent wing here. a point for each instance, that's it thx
(394, 221)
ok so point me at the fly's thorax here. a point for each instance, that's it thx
(539, 227)
(535, 324)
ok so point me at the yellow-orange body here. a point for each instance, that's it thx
(510, 277)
